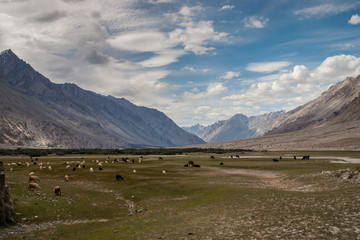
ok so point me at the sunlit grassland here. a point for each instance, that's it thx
(250, 197)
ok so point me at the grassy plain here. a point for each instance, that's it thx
(250, 197)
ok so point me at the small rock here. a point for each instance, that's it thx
(116, 231)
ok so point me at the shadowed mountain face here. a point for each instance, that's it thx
(38, 113)
(339, 104)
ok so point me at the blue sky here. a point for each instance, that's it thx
(196, 61)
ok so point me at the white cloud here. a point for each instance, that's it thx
(195, 35)
(226, 7)
(163, 58)
(148, 41)
(355, 19)
(188, 68)
(267, 67)
(255, 22)
(325, 9)
(189, 11)
(299, 85)
(230, 75)
(337, 68)
(212, 90)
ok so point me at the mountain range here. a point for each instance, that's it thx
(329, 122)
(35, 112)
(237, 127)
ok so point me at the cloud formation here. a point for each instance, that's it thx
(298, 85)
(267, 67)
(227, 7)
(319, 11)
(230, 75)
(355, 19)
(255, 22)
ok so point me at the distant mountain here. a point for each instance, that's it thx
(196, 129)
(339, 104)
(38, 113)
(237, 127)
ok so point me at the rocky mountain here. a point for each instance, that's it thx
(38, 113)
(237, 127)
(329, 122)
(340, 103)
(196, 129)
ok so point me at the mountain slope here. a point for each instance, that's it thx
(75, 109)
(338, 104)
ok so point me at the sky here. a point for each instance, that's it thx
(197, 61)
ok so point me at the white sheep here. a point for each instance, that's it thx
(34, 178)
(91, 169)
(27, 164)
(49, 168)
(66, 178)
(67, 166)
(163, 171)
(134, 171)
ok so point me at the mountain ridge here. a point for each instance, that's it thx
(116, 118)
(237, 127)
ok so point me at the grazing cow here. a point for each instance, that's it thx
(186, 165)
(275, 160)
(196, 165)
(237, 156)
(306, 158)
(74, 168)
(212, 157)
(119, 177)
(221, 164)
(100, 168)
(294, 157)
(160, 158)
(57, 190)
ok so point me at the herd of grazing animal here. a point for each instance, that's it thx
(307, 157)
(34, 181)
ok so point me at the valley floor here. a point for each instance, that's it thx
(248, 197)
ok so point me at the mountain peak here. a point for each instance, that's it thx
(8, 51)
